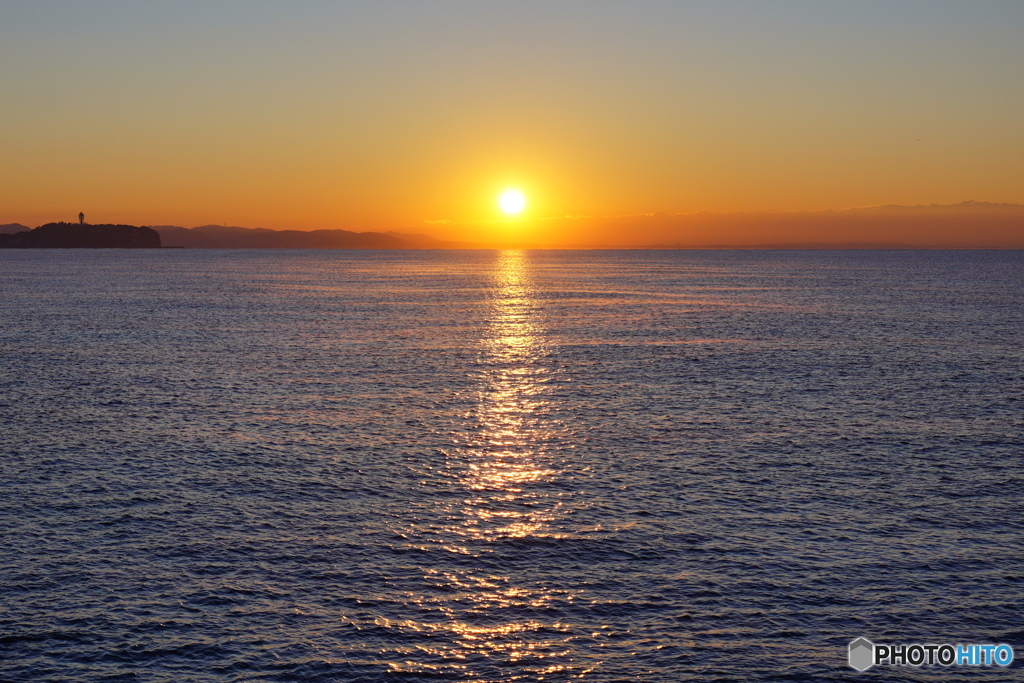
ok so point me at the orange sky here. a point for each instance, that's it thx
(414, 116)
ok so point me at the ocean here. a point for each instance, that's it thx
(507, 465)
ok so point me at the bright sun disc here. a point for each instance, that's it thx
(512, 202)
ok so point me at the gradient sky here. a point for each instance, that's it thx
(413, 115)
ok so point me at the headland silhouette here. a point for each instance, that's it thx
(82, 236)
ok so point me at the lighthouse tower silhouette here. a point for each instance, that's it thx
(81, 218)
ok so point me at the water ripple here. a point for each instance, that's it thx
(505, 466)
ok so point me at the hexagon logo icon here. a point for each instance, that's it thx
(862, 654)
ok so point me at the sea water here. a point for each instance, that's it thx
(506, 466)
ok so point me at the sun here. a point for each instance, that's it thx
(512, 202)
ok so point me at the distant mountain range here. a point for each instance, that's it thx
(233, 237)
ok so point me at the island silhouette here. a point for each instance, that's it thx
(82, 236)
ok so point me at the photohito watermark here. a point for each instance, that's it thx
(864, 654)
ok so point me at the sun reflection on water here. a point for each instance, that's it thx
(514, 433)
(484, 614)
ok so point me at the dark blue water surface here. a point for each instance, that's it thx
(498, 466)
